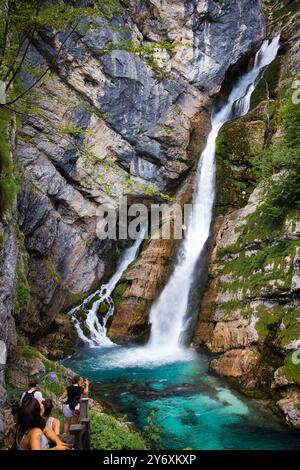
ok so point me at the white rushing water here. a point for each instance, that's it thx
(168, 313)
(97, 330)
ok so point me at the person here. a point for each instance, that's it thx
(51, 422)
(33, 391)
(32, 434)
(73, 394)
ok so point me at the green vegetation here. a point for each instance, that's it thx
(22, 295)
(281, 157)
(22, 292)
(8, 184)
(118, 293)
(13, 393)
(291, 370)
(271, 263)
(71, 129)
(291, 327)
(108, 433)
(279, 10)
(147, 52)
(267, 86)
(21, 23)
(28, 352)
(238, 144)
(268, 318)
(263, 263)
(153, 431)
(278, 167)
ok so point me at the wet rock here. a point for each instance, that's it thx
(280, 379)
(235, 363)
(232, 334)
(289, 404)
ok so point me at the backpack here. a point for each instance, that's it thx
(17, 403)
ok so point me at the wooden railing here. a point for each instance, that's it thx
(81, 431)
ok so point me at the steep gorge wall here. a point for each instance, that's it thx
(250, 312)
(110, 121)
(214, 43)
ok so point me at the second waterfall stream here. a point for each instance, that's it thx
(168, 313)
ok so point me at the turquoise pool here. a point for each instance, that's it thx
(196, 409)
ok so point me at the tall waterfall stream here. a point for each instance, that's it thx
(195, 408)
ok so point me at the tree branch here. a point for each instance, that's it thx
(5, 36)
(15, 59)
(46, 71)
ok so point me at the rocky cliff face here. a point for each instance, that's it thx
(209, 27)
(250, 312)
(124, 111)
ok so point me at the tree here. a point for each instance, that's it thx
(21, 24)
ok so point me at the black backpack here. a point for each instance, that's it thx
(17, 404)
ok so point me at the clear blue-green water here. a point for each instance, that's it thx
(196, 409)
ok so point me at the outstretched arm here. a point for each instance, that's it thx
(52, 436)
(56, 426)
(64, 395)
(86, 388)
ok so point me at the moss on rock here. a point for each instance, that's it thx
(238, 144)
(117, 294)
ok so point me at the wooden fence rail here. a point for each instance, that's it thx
(81, 431)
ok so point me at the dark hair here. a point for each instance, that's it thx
(48, 405)
(29, 415)
(33, 383)
(76, 379)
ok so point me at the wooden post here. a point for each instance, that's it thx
(81, 431)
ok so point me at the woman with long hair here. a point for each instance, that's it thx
(51, 422)
(32, 432)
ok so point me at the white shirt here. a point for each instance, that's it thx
(37, 395)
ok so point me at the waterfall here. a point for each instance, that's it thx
(98, 330)
(168, 313)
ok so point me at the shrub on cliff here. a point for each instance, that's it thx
(109, 434)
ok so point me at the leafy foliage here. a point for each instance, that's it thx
(146, 51)
(109, 434)
(153, 431)
(22, 295)
(8, 184)
(279, 166)
(22, 21)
